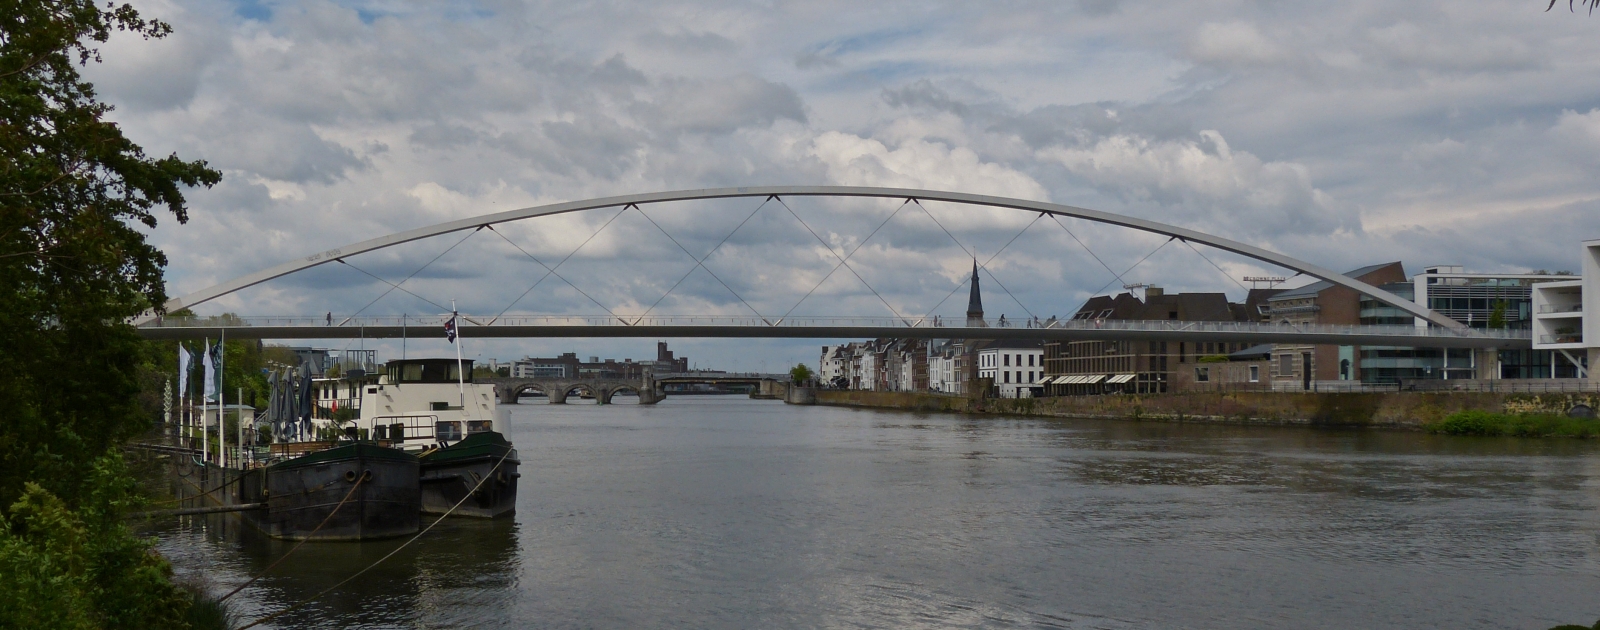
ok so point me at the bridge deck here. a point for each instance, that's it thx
(829, 328)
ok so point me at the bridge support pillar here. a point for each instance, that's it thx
(556, 396)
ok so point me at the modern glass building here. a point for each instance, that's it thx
(1478, 300)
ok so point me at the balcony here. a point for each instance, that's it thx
(1547, 309)
(1561, 338)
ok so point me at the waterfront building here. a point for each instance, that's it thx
(1095, 367)
(1479, 300)
(568, 365)
(1561, 314)
(1015, 365)
(942, 374)
(1323, 302)
(833, 367)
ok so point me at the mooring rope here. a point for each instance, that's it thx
(396, 550)
(359, 480)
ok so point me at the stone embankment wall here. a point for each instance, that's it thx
(1395, 410)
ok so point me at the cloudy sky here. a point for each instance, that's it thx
(1344, 133)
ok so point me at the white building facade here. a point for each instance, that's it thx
(1015, 367)
(1562, 309)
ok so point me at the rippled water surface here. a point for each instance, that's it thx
(725, 512)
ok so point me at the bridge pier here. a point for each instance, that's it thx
(557, 389)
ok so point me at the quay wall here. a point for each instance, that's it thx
(1403, 410)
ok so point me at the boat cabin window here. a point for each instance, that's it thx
(479, 426)
(447, 431)
(429, 371)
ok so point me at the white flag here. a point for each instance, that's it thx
(183, 372)
(210, 370)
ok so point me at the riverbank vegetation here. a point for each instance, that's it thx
(1514, 425)
(74, 269)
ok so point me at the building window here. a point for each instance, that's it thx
(1006, 360)
(1285, 365)
(1255, 374)
(1030, 360)
(1202, 374)
(1008, 377)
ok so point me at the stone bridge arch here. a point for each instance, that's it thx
(507, 389)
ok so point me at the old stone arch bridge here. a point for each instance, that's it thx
(649, 388)
(557, 389)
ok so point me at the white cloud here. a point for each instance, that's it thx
(1346, 133)
(1233, 42)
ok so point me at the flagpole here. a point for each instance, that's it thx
(461, 382)
(205, 407)
(222, 400)
(239, 460)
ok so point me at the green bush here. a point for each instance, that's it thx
(1514, 425)
(66, 568)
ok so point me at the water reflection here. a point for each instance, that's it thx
(725, 512)
(457, 575)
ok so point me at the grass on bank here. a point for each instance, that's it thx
(1514, 425)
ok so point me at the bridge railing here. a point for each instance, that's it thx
(959, 324)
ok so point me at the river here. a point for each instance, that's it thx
(725, 512)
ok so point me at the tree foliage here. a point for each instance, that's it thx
(1572, 5)
(73, 268)
(800, 374)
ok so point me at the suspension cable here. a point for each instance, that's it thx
(1141, 261)
(1086, 248)
(413, 275)
(1213, 264)
(700, 262)
(391, 284)
(985, 264)
(843, 262)
(552, 270)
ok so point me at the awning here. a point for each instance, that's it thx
(1095, 379)
(1074, 380)
(1061, 380)
(1043, 381)
(1121, 378)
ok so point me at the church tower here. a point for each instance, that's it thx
(975, 302)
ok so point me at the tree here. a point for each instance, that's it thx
(72, 271)
(71, 267)
(800, 374)
(1572, 5)
(1497, 316)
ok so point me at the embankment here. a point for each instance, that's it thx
(1406, 410)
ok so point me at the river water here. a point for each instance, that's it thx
(725, 512)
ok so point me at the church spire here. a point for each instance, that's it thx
(975, 302)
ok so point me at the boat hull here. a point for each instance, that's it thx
(467, 470)
(302, 492)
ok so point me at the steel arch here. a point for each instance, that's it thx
(324, 257)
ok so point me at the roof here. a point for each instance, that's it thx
(1252, 353)
(1311, 290)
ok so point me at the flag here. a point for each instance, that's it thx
(208, 363)
(450, 328)
(183, 372)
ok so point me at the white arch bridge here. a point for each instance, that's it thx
(1441, 331)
